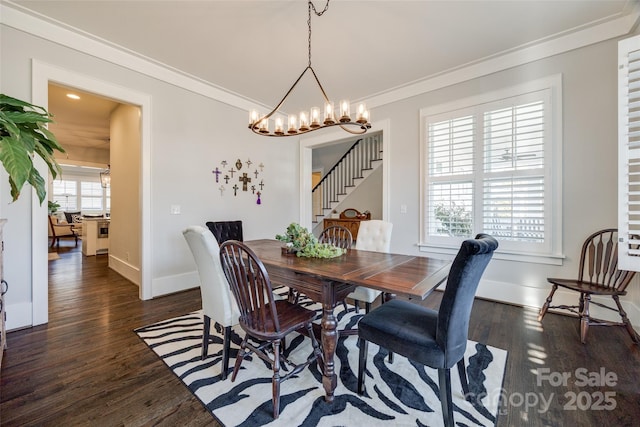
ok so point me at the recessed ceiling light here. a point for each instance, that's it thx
(72, 96)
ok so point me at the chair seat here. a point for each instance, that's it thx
(291, 316)
(407, 328)
(361, 293)
(586, 287)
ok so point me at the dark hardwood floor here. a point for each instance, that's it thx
(87, 367)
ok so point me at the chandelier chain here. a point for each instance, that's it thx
(312, 6)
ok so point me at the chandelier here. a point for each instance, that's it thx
(105, 177)
(308, 121)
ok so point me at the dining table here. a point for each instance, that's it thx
(328, 281)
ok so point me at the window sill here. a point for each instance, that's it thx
(506, 255)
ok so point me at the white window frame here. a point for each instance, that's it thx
(79, 175)
(551, 251)
(628, 154)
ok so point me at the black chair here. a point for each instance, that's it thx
(226, 230)
(437, 339)
(263, 317)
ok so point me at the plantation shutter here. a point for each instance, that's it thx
(513, 187)
(629, 154)
(451, 167)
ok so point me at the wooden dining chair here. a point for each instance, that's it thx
(217, 303)
(262, 316)
(598, 274)
(336, 235)
(437, 339)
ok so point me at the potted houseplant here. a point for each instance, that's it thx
(23, 134)
(53, 207)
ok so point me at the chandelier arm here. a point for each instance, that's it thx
(326, 98)
(285, 97)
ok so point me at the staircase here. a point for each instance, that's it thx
(362, 158)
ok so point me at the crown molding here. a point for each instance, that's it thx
(533, 52)
(48, 29)
(88, 44)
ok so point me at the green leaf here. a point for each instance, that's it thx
(23, 133)
(37, 182)
(16, 160)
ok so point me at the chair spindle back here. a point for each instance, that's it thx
(251, 287)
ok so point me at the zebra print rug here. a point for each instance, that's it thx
(398, 394)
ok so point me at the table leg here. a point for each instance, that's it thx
(329, 339)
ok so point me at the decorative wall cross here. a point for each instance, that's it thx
(244, 179)
(225, 177)
(217, 172)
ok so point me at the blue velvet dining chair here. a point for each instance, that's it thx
(437, 339)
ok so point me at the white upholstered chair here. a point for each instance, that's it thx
(217, 302)
(373, 235)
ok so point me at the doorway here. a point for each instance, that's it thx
(306, 169)
(43, 74)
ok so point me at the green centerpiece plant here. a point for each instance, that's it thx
(303, 243)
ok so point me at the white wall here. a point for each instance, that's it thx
(589, 77)
(190, 135)
(125, 231)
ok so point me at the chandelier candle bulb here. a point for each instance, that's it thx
(304, 121)
(279, 126)
(362, 115)
(253, 118)
(345, 111)
(315, 117)
(292, 123)
(264, 125)
(329, 117)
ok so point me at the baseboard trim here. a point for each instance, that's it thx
(129, 271)
(175, 283)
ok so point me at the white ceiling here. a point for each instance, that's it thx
(256, 49)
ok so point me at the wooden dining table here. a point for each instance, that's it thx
(329, 281)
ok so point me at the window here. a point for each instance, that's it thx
(92, 195)
(79, 189)
(65, 193)
(488, 165)
(629, 153)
